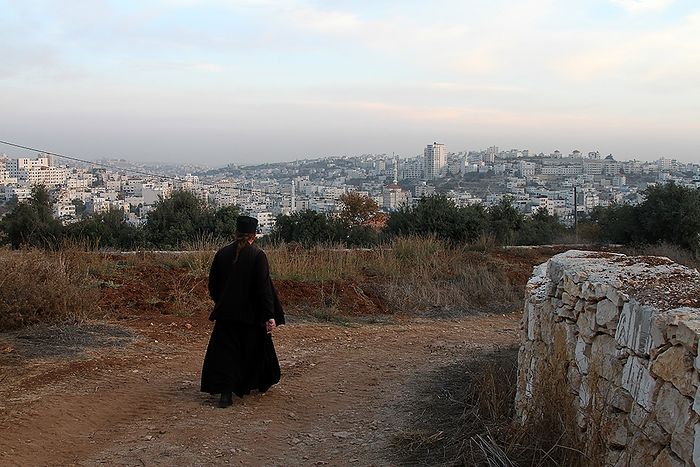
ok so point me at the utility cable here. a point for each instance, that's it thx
(113, 167)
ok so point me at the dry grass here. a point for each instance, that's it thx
(673, 252)
(408, 275)
(319, 263)
(414, 274)
(467, 417)
(45, 287)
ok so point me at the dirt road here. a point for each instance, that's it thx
(118, 394)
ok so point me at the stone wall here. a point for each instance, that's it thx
(619, 335)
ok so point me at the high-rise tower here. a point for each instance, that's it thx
(434, 160)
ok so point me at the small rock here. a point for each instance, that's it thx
(342, 434)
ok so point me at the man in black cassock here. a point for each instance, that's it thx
(241, 356)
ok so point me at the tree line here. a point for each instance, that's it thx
(173, 223)
(670, 213)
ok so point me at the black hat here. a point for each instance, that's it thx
(246, 224)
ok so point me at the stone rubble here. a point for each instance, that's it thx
(617, 331)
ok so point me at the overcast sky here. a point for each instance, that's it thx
(222, 81)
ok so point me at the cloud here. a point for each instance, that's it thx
(666, 55)
(638, 6)
(463, 87)
(329, 22)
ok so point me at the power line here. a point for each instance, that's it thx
(99, 164)
(114, 167)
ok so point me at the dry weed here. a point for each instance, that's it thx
(468, 418)
(673, 252)
(40, 286)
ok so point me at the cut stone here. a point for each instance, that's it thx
(672, 408)
(637, 379)
(675, 365)
(667, 459)
(583, 355)
(634, 328)
(607, 314)
(687, 334)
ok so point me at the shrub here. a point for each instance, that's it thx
(44, 287)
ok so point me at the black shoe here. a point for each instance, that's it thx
(226, 400)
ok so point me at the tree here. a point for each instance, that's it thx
(540, 229)
(178, 219)
(223, 222)
(671, 213)
(108, 229)
(618, 223)
(504, 221)
(357, 209)
(440, 216)
(308, 228)
(31, 223)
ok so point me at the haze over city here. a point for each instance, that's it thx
(244, 81)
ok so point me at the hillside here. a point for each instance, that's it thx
(365, 380)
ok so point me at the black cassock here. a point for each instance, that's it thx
(241, 355)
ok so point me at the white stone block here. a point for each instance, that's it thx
(634, 328)
(675, 365)
(594, 291)
(615, 296)
(658, 331)
(604, 358)
(531, 321)
(672, 409)
(583, 355)
(586, 324)
(637, 379)
(688, 333)
(584, 393)
(607, 314)
(568, 300)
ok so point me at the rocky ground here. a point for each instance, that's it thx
(127, 392)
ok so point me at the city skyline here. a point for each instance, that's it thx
(246, 81)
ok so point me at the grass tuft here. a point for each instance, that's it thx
(46, 287)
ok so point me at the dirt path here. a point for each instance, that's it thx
(341, 400)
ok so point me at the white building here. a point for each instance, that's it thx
(412, 169)
(423, 189)
(266, 221)
(527, 169)
(434, 160)
(21, 193)
(18, 168)
(393, 197)
(39, 171)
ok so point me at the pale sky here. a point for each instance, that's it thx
(221, 81)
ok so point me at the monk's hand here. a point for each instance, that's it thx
(270, 325)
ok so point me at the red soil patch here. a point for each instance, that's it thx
(352, 298)
(155, 292)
